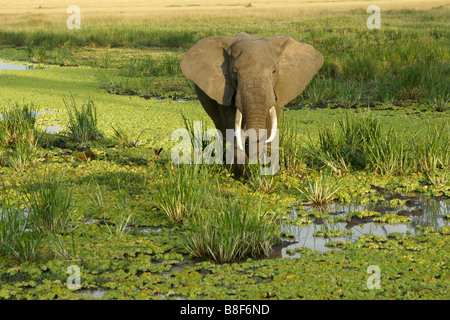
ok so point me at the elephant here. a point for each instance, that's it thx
(243, 81)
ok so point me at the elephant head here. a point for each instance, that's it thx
(255, 75)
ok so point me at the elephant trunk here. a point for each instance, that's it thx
(255, 110)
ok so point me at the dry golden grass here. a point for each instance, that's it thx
(38, 13)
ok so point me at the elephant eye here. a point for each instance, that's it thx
(274, 70)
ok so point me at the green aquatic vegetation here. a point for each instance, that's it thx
(338, 244)
(396, 202)
(361, 142)
(164, 65)
(332, 233)
(300, 221)
(126, 139)
(395, 235)
(363, 214)
(123, 212)
(287, 235)
(392, 219)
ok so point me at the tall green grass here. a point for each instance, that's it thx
(185, 190)
(18, 239)
(232, 229)
(360, 142)
(215, 227)
(290, 150)
(50, 203)
(125, 138)
(164, 65)
(83, 123)
(18, 137)
(31, 220)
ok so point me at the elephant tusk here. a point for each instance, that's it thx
(273, 117)
(237, 128)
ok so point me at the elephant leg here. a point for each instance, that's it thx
(211, 107)
(240, 170)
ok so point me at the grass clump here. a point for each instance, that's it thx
(126, 139)
(185, 190)
(18, 137)
(232, 231)
(83, 125)
(18, 239)
(50, 203)
(45, 209)
(290, 150)
(321, 190)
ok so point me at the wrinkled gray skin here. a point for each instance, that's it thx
(251, 74)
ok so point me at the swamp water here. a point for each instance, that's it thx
(48, 129)
(12, 66)
(421, 210)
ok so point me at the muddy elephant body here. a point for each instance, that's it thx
(243, 81)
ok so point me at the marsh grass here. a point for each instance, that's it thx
(185, 189)
(122, 210)
(18, 240)
(83, 123)
(341, 147)
(405, 60)
(360, 142)
(319, 190)
(261, 183)
(197, 138)
(50, 203)
(291, 145)
(18, 137)
(431, 152)
(126, 139)
(232, 229)
(163, 65)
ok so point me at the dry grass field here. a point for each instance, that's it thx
(37, 12)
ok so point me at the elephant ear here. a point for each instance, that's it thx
(206, 63)
(297, 64)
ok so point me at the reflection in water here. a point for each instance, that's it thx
(423, 211)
